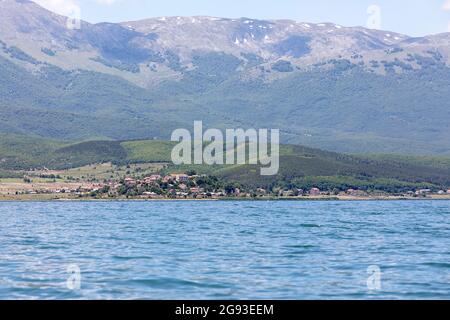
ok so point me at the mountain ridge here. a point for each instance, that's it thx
(346, 89)
(105, 46)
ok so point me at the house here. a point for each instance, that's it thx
(152, 179)
(448, 191)
(180, 177)
(287, 193)
(182, 194)
(314, 192)
(152, 195)
(87, 188)
(423, 191)
(182, 186)
(115, 186)
(261, 190)
(130, 182)
(196, 190)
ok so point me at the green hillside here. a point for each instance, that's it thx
(342, 108)
(345, 89)
(54, 103)
(301, 167)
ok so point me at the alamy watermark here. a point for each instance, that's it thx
(213, 147)
(374, 279)
(446, 7)
(74, 280)
(74, 18)
(374, 20)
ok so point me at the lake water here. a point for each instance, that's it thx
(225, 250)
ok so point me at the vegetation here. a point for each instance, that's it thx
(300, 167)
(48, 52)
(347, 116)
(295, 46)
(282, 66)
(134, 68)
(148, 150)
(18, 54)
(10, 174)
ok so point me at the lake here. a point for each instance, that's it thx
(225, 250)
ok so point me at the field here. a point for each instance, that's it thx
(101, 172)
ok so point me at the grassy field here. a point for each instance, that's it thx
(148, 150)
(94, 173)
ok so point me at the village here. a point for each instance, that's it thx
(189, 185)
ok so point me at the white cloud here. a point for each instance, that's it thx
(446, 6)
(67, 7)
(62, 7)
(107, 2)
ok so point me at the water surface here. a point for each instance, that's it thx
(225, 250)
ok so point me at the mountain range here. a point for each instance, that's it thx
(346, 89)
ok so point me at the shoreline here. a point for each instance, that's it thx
(40, 198)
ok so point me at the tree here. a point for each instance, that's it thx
(191, 173)
(229, 188)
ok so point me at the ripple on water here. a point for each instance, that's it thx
(173, 283)
(221, 250)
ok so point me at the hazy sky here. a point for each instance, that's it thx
(413, 17)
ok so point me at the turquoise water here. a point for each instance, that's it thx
(225, 250)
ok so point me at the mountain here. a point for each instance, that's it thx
(347, 89)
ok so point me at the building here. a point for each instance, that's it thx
(130, 182)
(182, 194)
(314, 192)
(196, 190)
(261, 190)
(152, 195)
(152, 179)
(423, 191)
(182, 186)
(180, 177)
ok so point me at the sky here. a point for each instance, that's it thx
(411, 17)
